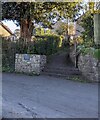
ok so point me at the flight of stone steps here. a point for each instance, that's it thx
(59, 65)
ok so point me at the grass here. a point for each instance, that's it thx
(7, 69)
(79, 79)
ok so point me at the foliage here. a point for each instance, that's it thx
(60, 28)
(43, 45)
(47, 44)
(85, 50)
(78, 40)
(41, 31)
(22, 46)
(88, 25)
(40, 12)
(8, 55)
(87, 45)
(96, 54)
(28, 13)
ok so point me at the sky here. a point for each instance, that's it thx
(11, 25)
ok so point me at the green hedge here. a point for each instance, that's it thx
(47, 44)
(43, 45)
(8, 55)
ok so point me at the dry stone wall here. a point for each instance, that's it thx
(88, 65)
(30, 63)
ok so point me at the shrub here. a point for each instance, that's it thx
(47, 44)
(78, 40)
(43, 45)
(96, 54)
(8, 54)
(89, 50)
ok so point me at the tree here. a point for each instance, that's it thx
(60, 28)
(88, 24)
(96, 12)
(97, 25)
(28, 13)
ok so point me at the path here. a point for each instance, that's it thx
(60, 65)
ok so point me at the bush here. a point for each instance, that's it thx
(47, 44)
(89, 50)
(78, 40)
(96, 54)
(8, 54)
(43, 45)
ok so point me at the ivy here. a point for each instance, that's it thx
(96, 54)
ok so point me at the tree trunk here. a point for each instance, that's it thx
(97, 24)
(26, 30)
(97, 29)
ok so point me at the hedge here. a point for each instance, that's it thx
(43, 45)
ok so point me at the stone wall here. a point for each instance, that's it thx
(30, 63)
(88, 65)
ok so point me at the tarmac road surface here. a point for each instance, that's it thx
(47, 97)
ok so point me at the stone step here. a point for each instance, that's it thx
(67, 76)
(62, 72)
(61, 68)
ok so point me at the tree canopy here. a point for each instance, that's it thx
(46, 13)
(61, 28)
(88, 24)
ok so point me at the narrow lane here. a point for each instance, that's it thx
(48, 97)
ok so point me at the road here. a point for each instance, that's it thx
(47, 97)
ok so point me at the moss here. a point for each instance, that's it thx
(96, 54)
(81, 79)
(7, 69)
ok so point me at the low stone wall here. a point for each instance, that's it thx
(88, 65)
(30, 63)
